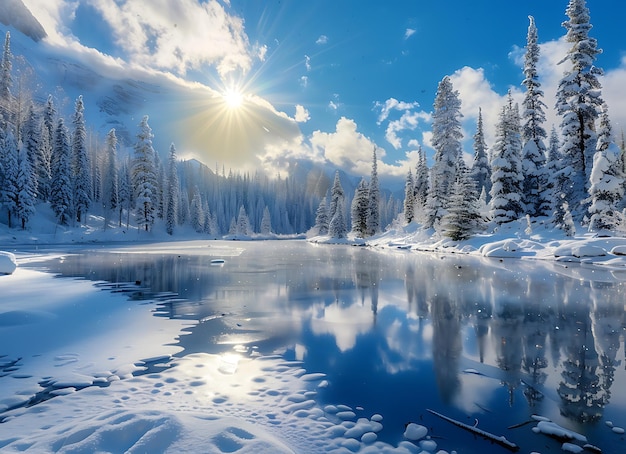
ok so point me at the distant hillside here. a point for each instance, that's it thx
(16, 14)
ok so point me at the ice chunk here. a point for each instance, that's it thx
(7, 263)
(570, 447)
(415, 431)
(553, 429)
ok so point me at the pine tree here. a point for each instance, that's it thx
(26, 194)
(409, 198)
(80, 163)
(360, 209)
(607, 181)
(373, 208)
(321, 218)
(172, 195)
(125, 193)
(463, 218)
(10, 167)
(266, 222)
(558, 179)
(110, 198)
(446, 140)
(144, 178)
(6, 82)
(336, 193)
(243, 222)
(195, 209)
(506, 167)
(535, 198)
(337, 227)
(61, 192)
(481, 171)
(421, 185)
(579, 102)
(31, 140)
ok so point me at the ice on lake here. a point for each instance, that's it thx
(307, 348)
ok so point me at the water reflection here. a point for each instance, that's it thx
(389, 328)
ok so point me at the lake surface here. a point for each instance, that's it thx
(487, 342)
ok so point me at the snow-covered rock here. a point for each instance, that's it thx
(503, 249)
(7, 263)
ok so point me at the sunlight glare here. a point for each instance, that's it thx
(233, 98)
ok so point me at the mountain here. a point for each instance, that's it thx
(15, 13)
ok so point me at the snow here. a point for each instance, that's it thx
(7, 263)
(553, 429)
(415, 431)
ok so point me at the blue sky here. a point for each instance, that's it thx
(351, 74)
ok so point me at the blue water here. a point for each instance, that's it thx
(486, 342)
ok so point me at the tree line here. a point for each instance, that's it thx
(47, 160)
(576, 174)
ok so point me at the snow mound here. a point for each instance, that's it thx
(7, 263)
(415, 431)
(502, 249)
(579, 250)
(619, 250)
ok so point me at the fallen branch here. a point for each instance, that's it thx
(501, 440)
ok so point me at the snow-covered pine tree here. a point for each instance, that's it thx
(61, 190)
(31, 140)
(183, 208)
(195, 209)
(481, 171)
(360, 209)
(607, 181)
(144, 178)
(125, 193)
(10, 168)
(373, 209)
(81, 168)
(409, 198)
(337, 227)
(110, 185)
(506, 167)
(421, 184)
(172, 193)
(266, 222)
(535, 198)
(243, 222)
(446, 140)
(558, 177)
(336, 193)
(321, 217)
(578, 101)
(26, 193)
(6, 82)
(463, 218)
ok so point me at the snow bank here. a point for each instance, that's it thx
(7, 263)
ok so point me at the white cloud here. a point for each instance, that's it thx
(307, 62)
(409, 32)
(304, 81)
(160, 34)
(323, 39)
(346, 148)
(302, 115)
(408, 121)
(393, 104)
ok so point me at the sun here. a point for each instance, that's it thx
(233, 98)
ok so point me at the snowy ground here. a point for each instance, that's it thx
(62, 390)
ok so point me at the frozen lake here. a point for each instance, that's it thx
(320, 346)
